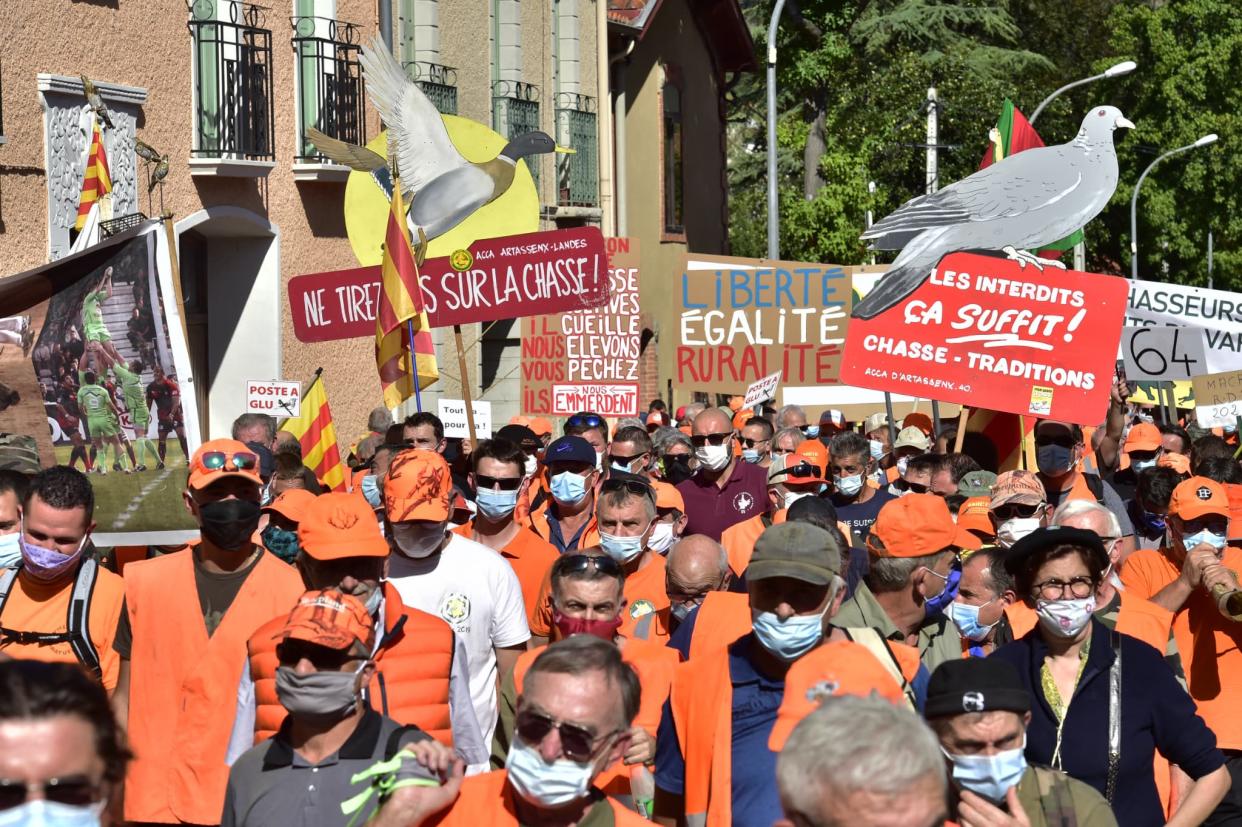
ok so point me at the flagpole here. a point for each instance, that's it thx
(418, 396)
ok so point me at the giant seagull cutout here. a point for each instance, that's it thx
(1025, 202)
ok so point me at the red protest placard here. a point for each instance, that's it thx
(509, 277)
(984, 332)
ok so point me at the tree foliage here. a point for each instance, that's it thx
(853, 78)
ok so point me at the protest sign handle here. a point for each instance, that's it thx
(465, 384)
(888, 411)
(961, 429)
(1027, 445)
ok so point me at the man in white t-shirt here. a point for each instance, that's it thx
(467, 584)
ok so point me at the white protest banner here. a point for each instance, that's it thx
(1163, 354)
(453, 415)
(1219, 398)
(762, 391)
(1217, 312)
(273, 397)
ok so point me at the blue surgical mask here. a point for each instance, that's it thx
(622, 549)
(811, 431)
(282, 542)
(877, 449)
(936, 604)
(44, 813)
(1054, 460)
(371, 491)
(751, 455)
(375, 600)
(849, 486)
(1142, 464)
(617, 466)
(1152, 521)
(792, 638)
(546, 785)
(10, 550)
(990, 776)
(496, 505)
(966, 618)
(568, 488)
(1206, 536)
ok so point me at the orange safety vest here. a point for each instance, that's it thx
(412, 669)
(723, 618)
(654, 665)
(183, 684)
(488, 799)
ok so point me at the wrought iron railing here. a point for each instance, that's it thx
(232, 80)
(330, 96)
(118, 225)
(439, 83)
(577, 177)
(515, 111)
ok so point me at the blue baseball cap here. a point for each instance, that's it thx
(570, 449)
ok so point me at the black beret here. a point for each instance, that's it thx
(975, 685)
(1045, 538)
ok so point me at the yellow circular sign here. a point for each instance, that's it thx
(514, 212)
(461, 260)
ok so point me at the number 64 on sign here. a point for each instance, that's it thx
(1163, 354)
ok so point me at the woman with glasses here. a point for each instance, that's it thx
(1103, 702)
(62, 754)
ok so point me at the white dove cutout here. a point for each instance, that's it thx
(1024, 202)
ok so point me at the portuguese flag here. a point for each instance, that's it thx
(1013, 133)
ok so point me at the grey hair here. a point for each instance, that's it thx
(666, 437)
(889, 574)
(1077, 508)
(852, 743)
(796, 433)
(780, 415)
(694, 409)
(619, 498)
(249, 420)
(629, 422)
(379, 419)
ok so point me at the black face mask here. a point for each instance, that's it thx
(228, 524)
(677, 468)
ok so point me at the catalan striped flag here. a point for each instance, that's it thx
(97, 181)
(401, 301)
(315, 431)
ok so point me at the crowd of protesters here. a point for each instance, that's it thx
(707, 616)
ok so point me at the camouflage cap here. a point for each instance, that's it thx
(19, 452)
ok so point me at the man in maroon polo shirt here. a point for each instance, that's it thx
(724, 491)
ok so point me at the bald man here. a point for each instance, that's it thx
(696, 565)
(724, 491)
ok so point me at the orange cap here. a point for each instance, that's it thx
(839, 668)
(1178, 462)
(917, 525)
(215, 459)
(918, 420)
(291, 504)
(340, 525)
(816, 452)
(972, 515)
(1234, 493)
(418, 487)
(667, 496)
(1017, 486)
(1198, 496)
(520, 420)
(541, 426)
(329, 618)
(1143, 437)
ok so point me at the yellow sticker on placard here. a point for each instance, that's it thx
(1148, 393)
(1041, 401)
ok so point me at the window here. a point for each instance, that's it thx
(419, 52)
(672, 179)
(576, 177)
(232, 81)
(329, 81)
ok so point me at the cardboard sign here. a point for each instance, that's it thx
(280, 399)
(1217, 313)
(762, 391)
(1219, 399)
(984, 332)
(587, 360)
(741, 319)
(503, 278)
(1162, 354)
(453, 415)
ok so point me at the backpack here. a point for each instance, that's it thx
(77, 635)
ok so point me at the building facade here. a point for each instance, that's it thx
(226, 89)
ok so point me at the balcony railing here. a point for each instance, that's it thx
(439, 83)
(330, 96)
(577, 178)
(232, 80)
(515, 111)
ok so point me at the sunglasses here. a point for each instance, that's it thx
(585, 421)
(1064, 441)
(289, 652)
(623, 460)
(217, 460)
(578, 743)
(636, 487)
(751, 443)
(1015, 511)
(912, 487)
(576, 563)
(491, 483)
(75, 791)
(700, 440)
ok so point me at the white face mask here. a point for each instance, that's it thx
(1013, 530)
(662, 538)
(1065, 618)
(599, 460)
(531, 466)
(543, 784)
(902, 464)
(418, 541)
(792, 497)
(713, 457)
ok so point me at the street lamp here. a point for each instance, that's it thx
(1123, 68)
(774, 239)
(1204, 141)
